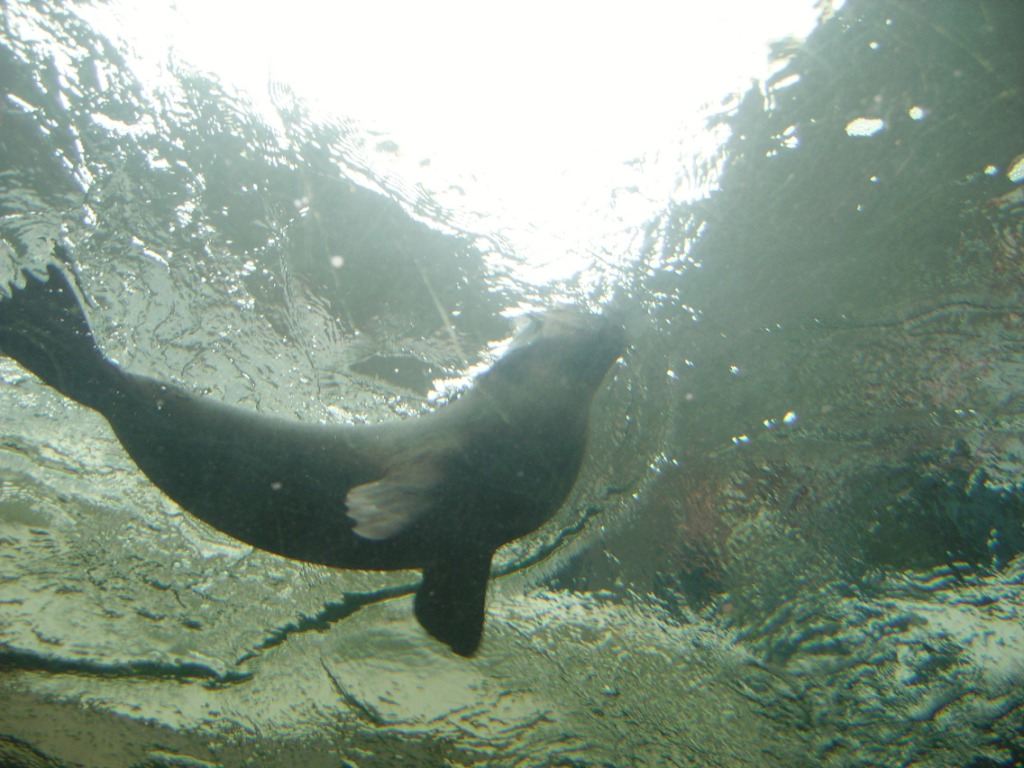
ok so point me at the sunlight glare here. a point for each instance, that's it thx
(534, 113)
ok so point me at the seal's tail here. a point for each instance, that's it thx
(44, 328)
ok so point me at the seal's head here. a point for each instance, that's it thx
(562, 350)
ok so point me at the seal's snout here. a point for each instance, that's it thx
(615, 336)
(590, 342)
(613, 342)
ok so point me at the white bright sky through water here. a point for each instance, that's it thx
(531, 114)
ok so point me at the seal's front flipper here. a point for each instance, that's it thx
(385, 508)
(450, 601)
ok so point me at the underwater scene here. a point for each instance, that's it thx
(564, 406)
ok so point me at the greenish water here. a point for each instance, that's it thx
(797, 539)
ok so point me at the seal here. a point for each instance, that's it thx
(439, 492)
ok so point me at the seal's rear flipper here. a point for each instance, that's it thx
(450, 601)
(43, 327)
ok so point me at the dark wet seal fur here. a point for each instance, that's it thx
(438, 492)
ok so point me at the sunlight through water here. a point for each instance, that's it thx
(562, 127)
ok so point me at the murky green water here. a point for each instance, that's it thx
(797, 539)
